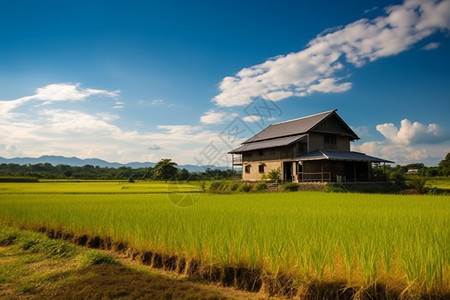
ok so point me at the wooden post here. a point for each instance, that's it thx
(354, 171)
(321, 166)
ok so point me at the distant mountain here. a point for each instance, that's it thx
(78, 162)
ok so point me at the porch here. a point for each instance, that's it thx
(334, 166)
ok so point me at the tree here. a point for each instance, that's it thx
(444, 165)
(165, 170)
(183, 174)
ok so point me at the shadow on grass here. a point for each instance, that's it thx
(115, 281)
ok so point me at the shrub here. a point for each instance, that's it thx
(290, 187)
(274, 175)
(234, 186)
(332, 188)
(260, 187)
(398, 178)
(244, 187)
(216, 187)
(419, 183)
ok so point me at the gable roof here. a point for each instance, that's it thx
(299, 126)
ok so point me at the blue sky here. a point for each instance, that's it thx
(143, 80)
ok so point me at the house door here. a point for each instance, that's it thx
(287, 171)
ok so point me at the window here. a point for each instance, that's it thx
(329, 139)
(247, 168)
(261, 168)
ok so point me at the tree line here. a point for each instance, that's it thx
(164, 170)
(442, 169)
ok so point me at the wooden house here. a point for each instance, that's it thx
(312, 148)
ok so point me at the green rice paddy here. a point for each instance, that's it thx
(399, 241)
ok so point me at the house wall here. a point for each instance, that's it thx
(316, 142)
(343, 143)
(254, 174)
(331, 125)
(269, 154)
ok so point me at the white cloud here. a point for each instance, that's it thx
(399, 154)
(75, 133)
(361, 131)
(412, 142)
(212, 117)
(413, 133)
(53, 93)
(119, 105)
(251, 119)
(319, 67)
(158, 102)
(216, 117)
(68, 92)
(49, 130)
(107, 116)
(431, 46)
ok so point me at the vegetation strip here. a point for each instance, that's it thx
(241, 278)
(32, 266)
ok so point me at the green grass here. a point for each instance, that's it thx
(439, 182)
(362, 239)
(30, 273)
(96, 187)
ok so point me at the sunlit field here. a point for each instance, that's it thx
(439, 182)
(400, 242)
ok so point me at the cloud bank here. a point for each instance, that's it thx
(45, 129)
(412, 142)
(321, 66)
(54, 93)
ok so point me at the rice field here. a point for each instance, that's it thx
(400, 242)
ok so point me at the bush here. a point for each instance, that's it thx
(290, 187)
(331, 188)
(418, 183)
(216, 187)
(244, 187)
(397, 177)
(260, 187)
(234, 186)
(274, 175)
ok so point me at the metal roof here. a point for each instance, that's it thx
(339, 155)
(296, 126)
(285, 141)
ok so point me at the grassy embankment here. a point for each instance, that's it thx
(303, 243)
(32, 266)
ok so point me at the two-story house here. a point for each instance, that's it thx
(312, 148)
